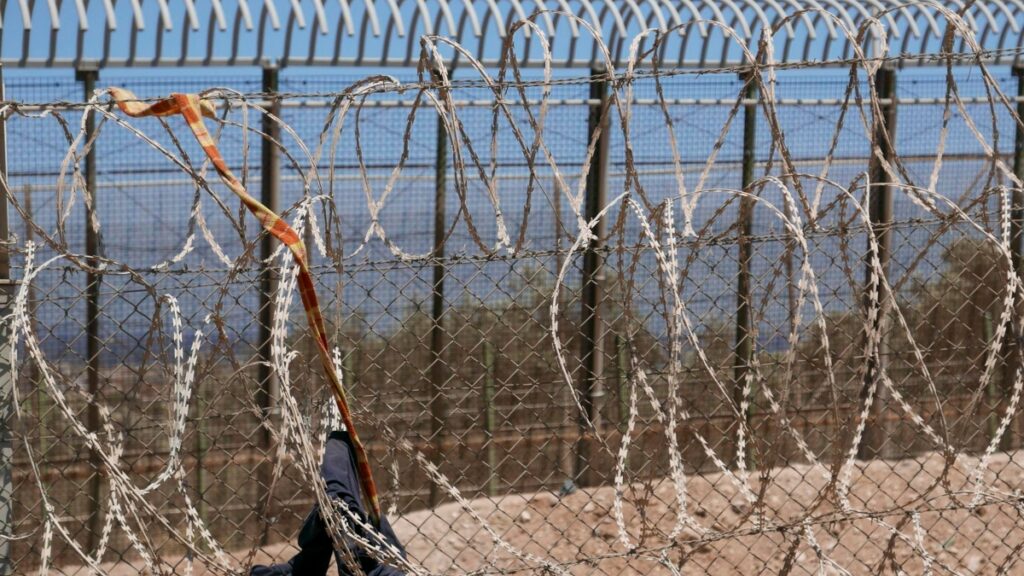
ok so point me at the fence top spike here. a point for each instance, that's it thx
(997, 24)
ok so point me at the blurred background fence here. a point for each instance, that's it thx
(452, 349)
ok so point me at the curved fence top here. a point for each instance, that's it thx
(133, 33)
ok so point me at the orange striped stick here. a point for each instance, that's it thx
(193, 109)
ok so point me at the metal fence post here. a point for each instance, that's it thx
(6, 359)
(88, 77)
(592, 328)
(744, 349)
(349, 369)
(201, 446)
(992, 389)
(1016, 250)
(35, 382)
(438, 402)
(879, 429)
(567, 412)
(622, 381)
(622, 375)
(270, 181)
(492, 454)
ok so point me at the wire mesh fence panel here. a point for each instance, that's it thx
(756, 365)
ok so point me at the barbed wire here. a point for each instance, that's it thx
(644, 243)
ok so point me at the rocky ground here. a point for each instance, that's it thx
(578, 531)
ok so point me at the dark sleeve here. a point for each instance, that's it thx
(315, 544)
(314, 556)
(342, 480)
(339, 472)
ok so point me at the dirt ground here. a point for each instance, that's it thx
(579, 533)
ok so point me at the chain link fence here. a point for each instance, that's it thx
(595, 406)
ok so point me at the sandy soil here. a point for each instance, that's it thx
(578, 531)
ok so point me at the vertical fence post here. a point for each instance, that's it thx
(992, 390)
(42, 403)
(88, 77)
(592, 329)
(1016, 250)
(6, 360)
(42, 400)
(270, 181)
(567, 408)
(877, 435)
(622, 381)
(492, 453)
(202, 407)
(314, 376)
(349, 369)
(438, 402)
(744, 348)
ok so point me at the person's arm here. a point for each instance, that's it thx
(342, 483)
(339, 473)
